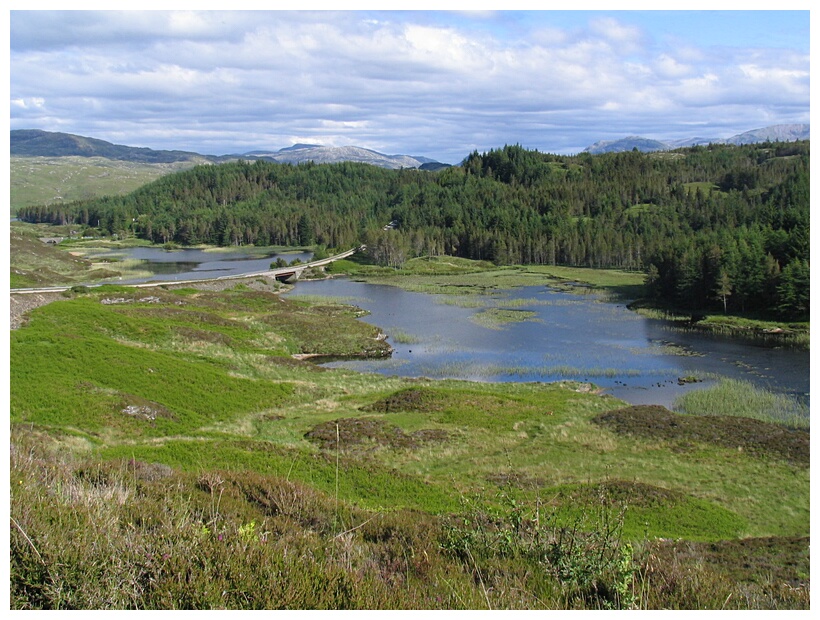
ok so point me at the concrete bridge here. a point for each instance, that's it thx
(294, 272)
(289, 273)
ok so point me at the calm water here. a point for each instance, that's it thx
(191, 264)
(575, 337)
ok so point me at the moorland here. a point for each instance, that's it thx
(171, 449)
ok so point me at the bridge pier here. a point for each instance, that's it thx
(290, 277)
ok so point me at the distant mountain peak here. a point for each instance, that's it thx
(298, 146)
(772, 133)
(301, 153)
(626, 144)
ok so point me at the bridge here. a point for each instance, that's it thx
(293, 272)
(289, 273)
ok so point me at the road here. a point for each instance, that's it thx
(279, 273)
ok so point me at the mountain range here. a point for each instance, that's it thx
(301, 153)
(773, 133)
(38, 143)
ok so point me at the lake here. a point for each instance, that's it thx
(194, 264)
(567, 336)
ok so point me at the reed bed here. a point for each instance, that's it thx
(488, 371)
(399, 336)
(462, 301)
(731, 397)
(328, 299)
(497, 318)
(766, 333)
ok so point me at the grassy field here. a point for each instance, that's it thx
(169, 451)
(48, 180)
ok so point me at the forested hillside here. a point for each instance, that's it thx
(722, 227)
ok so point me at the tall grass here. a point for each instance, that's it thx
(731, 397)
(486, 371)
(496, 318)
(462, 301)
(399, 336)
(326, 299)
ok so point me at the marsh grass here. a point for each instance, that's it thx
(127, 268)
(497, 318)
(592, 372)
(462, 301)
(496, 299)
(664, 348)
(730, 397)
(759, 331)
(400, 336)
(512, 303)
(485, 371)
(326, 299)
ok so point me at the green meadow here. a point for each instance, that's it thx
(172, 449)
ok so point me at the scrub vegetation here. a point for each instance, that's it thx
(170, 449)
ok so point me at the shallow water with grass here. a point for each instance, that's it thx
(537, 333)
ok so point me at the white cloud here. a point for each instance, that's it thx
(626, 39)
(405, 82)
(668, 67)
(773, 75)
(25, 104)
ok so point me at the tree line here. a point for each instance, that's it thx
(714, 227)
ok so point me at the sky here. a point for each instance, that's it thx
(439, 84)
